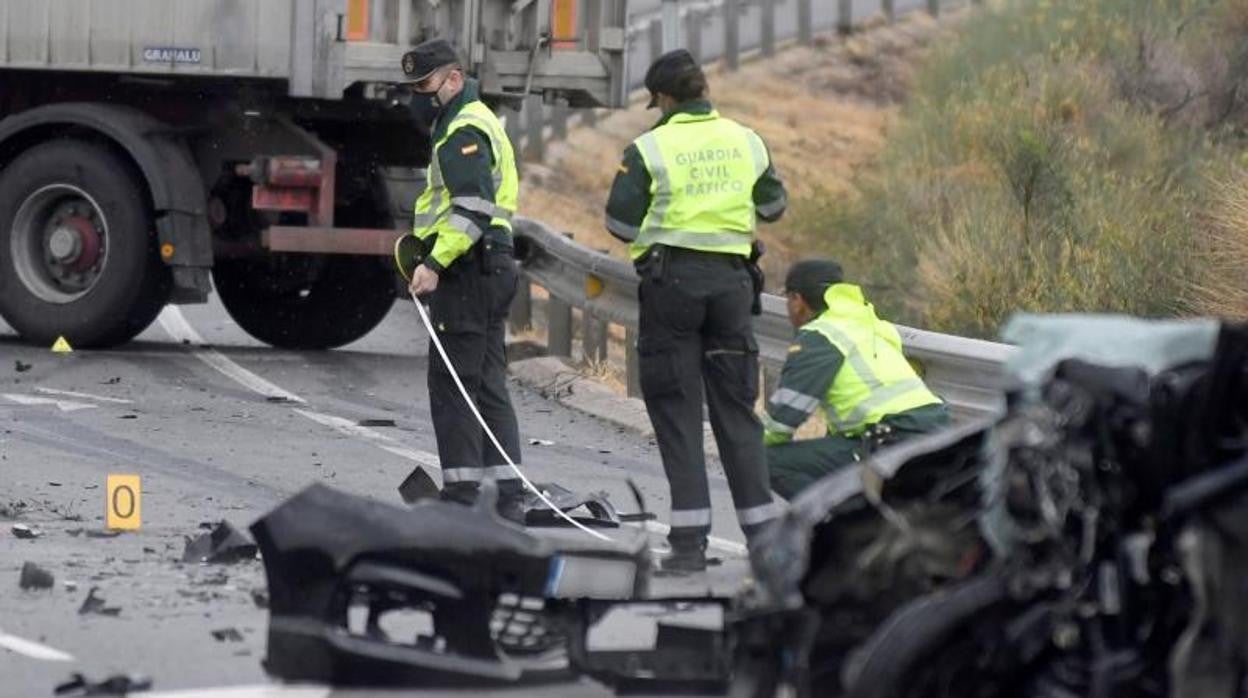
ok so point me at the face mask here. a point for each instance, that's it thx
(427, 106)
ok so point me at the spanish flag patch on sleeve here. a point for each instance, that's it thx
(469, 149)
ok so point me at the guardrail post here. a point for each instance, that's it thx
(933, 7)
(732, 34)
(767, 30)
(656, 39)
(890, 10)
(845, 16)
(593, 338)
(559, 324)
(632, 363)
(535, 148)
(558, 328)
(693, 33)
(805, 21)
(521, 316)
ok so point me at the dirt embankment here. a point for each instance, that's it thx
(824, 111)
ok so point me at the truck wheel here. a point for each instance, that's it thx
(306, 301)
(78, 257)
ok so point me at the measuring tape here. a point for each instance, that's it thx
(437, 343)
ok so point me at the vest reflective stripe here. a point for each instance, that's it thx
(702, 174)
(875, 380)
(787, 397)
(432, 211)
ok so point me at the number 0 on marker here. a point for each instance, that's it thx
(124, 499)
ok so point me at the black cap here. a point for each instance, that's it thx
(811, 277)
(669, 72)
(420, 62)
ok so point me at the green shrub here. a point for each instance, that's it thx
(1039, 165)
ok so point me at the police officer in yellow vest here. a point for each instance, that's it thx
(686, 199)
(849, 362)
(463, 219)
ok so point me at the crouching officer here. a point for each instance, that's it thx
(462, 230)
(686, 198)
(849, 362)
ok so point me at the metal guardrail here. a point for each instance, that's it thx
(965, 372)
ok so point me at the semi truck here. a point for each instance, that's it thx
(152, 151)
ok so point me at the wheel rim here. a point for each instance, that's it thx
(60, 243)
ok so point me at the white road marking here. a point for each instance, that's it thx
(723, 544)
(387, 443)
(85, 396)
(247, 692)
(62, 405)
(33, 649)
(175, 324)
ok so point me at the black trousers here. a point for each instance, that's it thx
(696, 337)
(469, 309)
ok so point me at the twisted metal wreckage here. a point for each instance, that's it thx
(1089, 540)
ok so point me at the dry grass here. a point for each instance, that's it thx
(1223, 290)
(824, 111)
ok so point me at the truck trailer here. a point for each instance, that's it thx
(151, 150)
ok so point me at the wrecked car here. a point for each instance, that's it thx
(1090, 541)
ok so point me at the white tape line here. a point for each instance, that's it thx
(349, 428)
(32, 649)
(175, 324)
(85, 396)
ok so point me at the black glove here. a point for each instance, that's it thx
(757, 250)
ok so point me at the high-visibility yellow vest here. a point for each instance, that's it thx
(875, 379)
(702, 174)
(433, 207)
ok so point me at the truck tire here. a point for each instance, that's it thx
(306, 301)
(78, 253)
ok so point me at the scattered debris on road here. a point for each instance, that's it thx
(35, 577)
(93, 532)
(376, 423)
(342, 570)
(223, 545)
(227, 635)
(20, 366)
(260, 598)
(541, 442)
(70, 585)
(119, 685)
(13, 510)
(26, 532)
(417, 486)
(97, 605)
(597, 506)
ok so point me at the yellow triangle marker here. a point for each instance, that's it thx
(60, 346)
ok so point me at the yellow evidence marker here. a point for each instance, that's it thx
(61, 346)
(124, 505)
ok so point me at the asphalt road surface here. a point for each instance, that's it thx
(188, 407)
